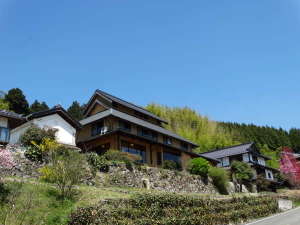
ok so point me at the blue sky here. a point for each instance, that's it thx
(230, 60)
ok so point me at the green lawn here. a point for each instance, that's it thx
(39, 203)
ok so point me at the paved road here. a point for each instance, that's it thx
(291, 217)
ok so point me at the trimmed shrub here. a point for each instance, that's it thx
(171, 165)
(36, 135)
(116, 155)
(97, 162)
(174, 209)
(220, 179)
(199, 166)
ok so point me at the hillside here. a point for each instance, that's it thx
(209, 134)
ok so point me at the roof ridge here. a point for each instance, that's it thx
(233, 146)
(140, 107)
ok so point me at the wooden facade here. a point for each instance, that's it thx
(145, 136)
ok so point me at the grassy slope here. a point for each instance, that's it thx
(47, 208)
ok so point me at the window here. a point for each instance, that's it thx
(246, 157)
(134, 149)
(269, 175)
(98, 128)
(123, 125)
(167, 140)
(184, 146)
(147, 133)
(261, 161)
(172, 157)
(4, 134)
(224, 161)
(159, 158)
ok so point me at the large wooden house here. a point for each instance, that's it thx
(112, 123)
(247, 153)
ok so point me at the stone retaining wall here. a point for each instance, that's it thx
(157, 179)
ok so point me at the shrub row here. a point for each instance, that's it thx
(174, 209)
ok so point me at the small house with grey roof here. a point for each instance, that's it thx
(113, 123)
(248, 153)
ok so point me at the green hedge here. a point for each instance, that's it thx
(174, 209)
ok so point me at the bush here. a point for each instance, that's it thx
(220, 178)
(36, 135)
(171, 165)
(97, 162)
(116, 155)
(41, 152)
(263, 184)
(34, 154)
(199, 166)
(242, 172)
(174, 209)
(65, 171)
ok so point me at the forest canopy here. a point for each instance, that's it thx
(210, 135)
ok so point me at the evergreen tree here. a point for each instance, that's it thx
(76, 111)
(36, 106)
(294, 136)
(17, 101)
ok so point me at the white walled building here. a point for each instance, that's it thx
(55, 118)
(8, 121)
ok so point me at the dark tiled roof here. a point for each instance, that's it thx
(233, 150)
(58, 109)
(129, 105)
(12, 115)
(134, 120)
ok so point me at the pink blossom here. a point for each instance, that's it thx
(289, 166)
(6, 159)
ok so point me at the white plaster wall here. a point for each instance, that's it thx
(3, 122)
(65, 132)
(16, 133)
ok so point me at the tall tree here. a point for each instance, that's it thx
(17, 101)
(76, 110)
(37, 106)
(294, 135)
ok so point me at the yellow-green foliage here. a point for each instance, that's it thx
(193, 126)
(3, 105)
(273, 154)
(47, 146)
(47, 174)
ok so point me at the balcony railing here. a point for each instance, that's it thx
(4, 135)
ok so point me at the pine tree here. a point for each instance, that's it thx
(76, 111)
(17, 101)
(36, 106)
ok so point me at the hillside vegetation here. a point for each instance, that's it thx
(209, 134)
(188, 123)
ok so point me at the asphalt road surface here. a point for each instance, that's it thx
(291, 217)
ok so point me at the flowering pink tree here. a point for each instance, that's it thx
(6, 159)
(290, 167)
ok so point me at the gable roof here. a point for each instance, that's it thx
(11, 115)
(134, 120)
(232, 150)
(115, 99)
(58, 109)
